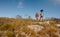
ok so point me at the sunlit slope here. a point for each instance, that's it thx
(21, 27)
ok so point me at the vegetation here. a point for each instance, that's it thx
(17, 27)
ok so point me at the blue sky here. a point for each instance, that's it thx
(11, 8)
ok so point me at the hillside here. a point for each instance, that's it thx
(20, 27)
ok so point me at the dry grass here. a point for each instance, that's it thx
(10, 25)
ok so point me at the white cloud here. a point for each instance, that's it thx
(21, 0)
(56, 2)
(20, 4)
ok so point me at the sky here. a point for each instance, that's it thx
(25, 8)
